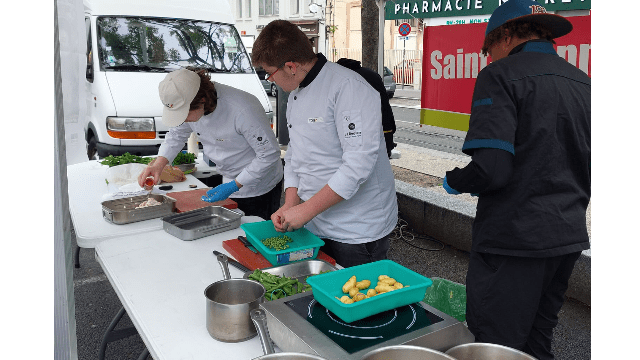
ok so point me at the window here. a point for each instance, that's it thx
(269, 7)
(413, 22)
(147, 44)
(248, 2)
(295, 7)
(239, 9)
(89, 71)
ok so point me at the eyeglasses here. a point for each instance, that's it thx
(269, 76)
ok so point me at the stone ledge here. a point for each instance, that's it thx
(450, 220)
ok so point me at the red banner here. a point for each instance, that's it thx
(452, 60)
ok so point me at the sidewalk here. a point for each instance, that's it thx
(408, 92)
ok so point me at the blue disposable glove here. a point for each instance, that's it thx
(221, 192)
(448, 188)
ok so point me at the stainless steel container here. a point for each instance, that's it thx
(300, 270)
(202, 222)
(406, 352)
(486, 351)
(229, 302)
(259, 318)
(123, 211)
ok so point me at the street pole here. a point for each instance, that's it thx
(381, 38)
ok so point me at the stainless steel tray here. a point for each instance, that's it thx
(299, 270)
(123, 211)
(202, 222)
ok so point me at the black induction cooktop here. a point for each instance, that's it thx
(370, 331)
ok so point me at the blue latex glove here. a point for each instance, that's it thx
(221, 192)
(448, 188)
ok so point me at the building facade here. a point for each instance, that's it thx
(253, 15)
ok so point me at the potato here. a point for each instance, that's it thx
(349, 284)
(371, 292)
(398, 285)
(382, 288)
(346, 300)
(388, 281)
(353, 291)
(383, 277)
(363, 284)
(359, 296)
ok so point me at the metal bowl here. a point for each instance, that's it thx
(406, 352)
(486, 351)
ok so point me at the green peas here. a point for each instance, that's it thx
(277, 243)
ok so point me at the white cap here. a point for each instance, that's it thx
(177, 90)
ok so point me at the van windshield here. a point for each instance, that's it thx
(159, 45)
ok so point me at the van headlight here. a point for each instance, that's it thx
(131, 128)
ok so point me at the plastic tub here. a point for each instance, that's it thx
(305, 245)
(326, 287)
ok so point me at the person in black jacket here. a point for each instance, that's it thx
(374, 79)
(530, 141)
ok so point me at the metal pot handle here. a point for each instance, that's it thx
(224, 264)
(259, 318)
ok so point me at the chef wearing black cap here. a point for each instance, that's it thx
(530, 141)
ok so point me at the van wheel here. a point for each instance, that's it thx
(274, 89)
(92, 150)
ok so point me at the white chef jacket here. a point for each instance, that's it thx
(237, 138)
(336, 138)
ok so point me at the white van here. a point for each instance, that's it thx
(132, 45)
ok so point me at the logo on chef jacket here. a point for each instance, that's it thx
(315, 120)
(260, 142)
(170, 106)
(351, 131)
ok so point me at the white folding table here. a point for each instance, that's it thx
(160, 281)
(87, 186)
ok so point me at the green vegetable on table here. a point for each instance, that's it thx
(277, 243)
(184, 158)
(125, 158)
(277, 287)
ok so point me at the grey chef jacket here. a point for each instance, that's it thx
(237, 138)
(336, 138)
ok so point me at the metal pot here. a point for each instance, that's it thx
(259, 318)
(228, 304)
(406, 352)
(486, 351)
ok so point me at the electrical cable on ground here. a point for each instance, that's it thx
(401, 232)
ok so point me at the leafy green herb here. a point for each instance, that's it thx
(125, 158)
(184, 158)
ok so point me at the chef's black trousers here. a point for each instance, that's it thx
(514, 301)
(347, 255)
(264, 205)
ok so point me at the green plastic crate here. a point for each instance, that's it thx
(305, 245)
(448, 297)
(326, 287)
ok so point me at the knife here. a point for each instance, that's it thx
(246, 243)
(233, 262)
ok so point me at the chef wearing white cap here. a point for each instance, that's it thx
(231, 126)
